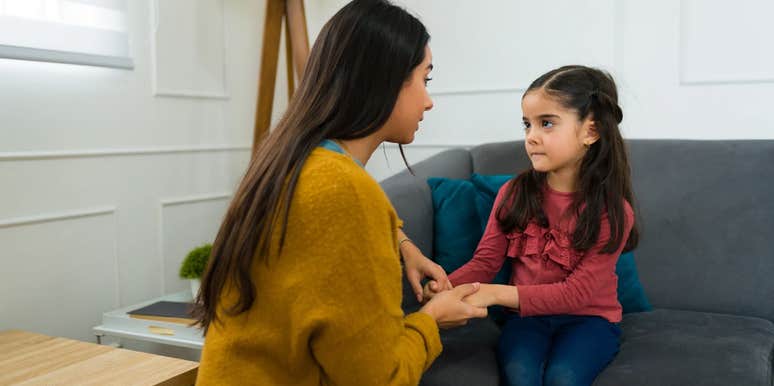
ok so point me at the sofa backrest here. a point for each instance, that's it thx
(705, 211)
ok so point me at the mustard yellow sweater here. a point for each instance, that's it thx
(327, 310)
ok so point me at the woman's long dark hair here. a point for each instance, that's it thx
(605, 176)
(356, 69)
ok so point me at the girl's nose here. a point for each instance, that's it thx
(531, 137)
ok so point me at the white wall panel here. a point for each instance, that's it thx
(726, 42)
(469, 119)
(59, 271)
(188, 48)
(186, 223)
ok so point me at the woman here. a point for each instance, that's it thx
(304, 283)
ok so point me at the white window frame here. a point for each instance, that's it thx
(60, 40)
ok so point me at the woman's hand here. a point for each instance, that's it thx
(431, 289)
(448, 308)
(418, 267)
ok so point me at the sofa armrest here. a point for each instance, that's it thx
(410, 196)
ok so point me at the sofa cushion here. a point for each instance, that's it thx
(468, 356)
(672, 347)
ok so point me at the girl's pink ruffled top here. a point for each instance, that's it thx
(552, 278)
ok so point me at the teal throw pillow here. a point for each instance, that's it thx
(631, 295)
(461, 214)
(489, 185)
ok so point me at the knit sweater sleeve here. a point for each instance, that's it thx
(362, 336)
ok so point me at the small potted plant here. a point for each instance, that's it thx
(194, 264)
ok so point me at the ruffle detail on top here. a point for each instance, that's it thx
(548, 243)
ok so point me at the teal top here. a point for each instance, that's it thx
(333, 146)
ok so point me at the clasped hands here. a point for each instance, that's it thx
(448, 306)
(485, 296)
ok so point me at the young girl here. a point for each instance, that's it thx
(562, 225)
(304, 281)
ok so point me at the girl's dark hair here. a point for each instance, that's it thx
(605, 176)
(356, 69)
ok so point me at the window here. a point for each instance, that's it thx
(90, 32)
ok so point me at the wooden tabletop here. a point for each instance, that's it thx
(34, 359)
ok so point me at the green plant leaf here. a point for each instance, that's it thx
(194, 264)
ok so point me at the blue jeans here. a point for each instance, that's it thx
(555, 350)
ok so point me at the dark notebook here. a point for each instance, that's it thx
(164, 310)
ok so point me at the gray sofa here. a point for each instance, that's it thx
(706, 261)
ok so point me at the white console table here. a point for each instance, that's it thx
(119, 324)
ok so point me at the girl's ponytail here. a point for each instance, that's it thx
(605, 105)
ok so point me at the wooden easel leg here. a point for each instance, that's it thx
(275, 9)
(289, 60)
(297, 52)
(299, 37)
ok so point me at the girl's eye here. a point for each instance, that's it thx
(427, 80)
(525, 124)
(547, 124)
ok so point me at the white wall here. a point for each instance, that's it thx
(108, 177)
(696, 69)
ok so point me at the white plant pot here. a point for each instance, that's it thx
(195, 283)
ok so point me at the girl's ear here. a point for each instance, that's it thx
(590, 134)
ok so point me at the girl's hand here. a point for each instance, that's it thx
(449, 310)
(494, 294)
(418, 267)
